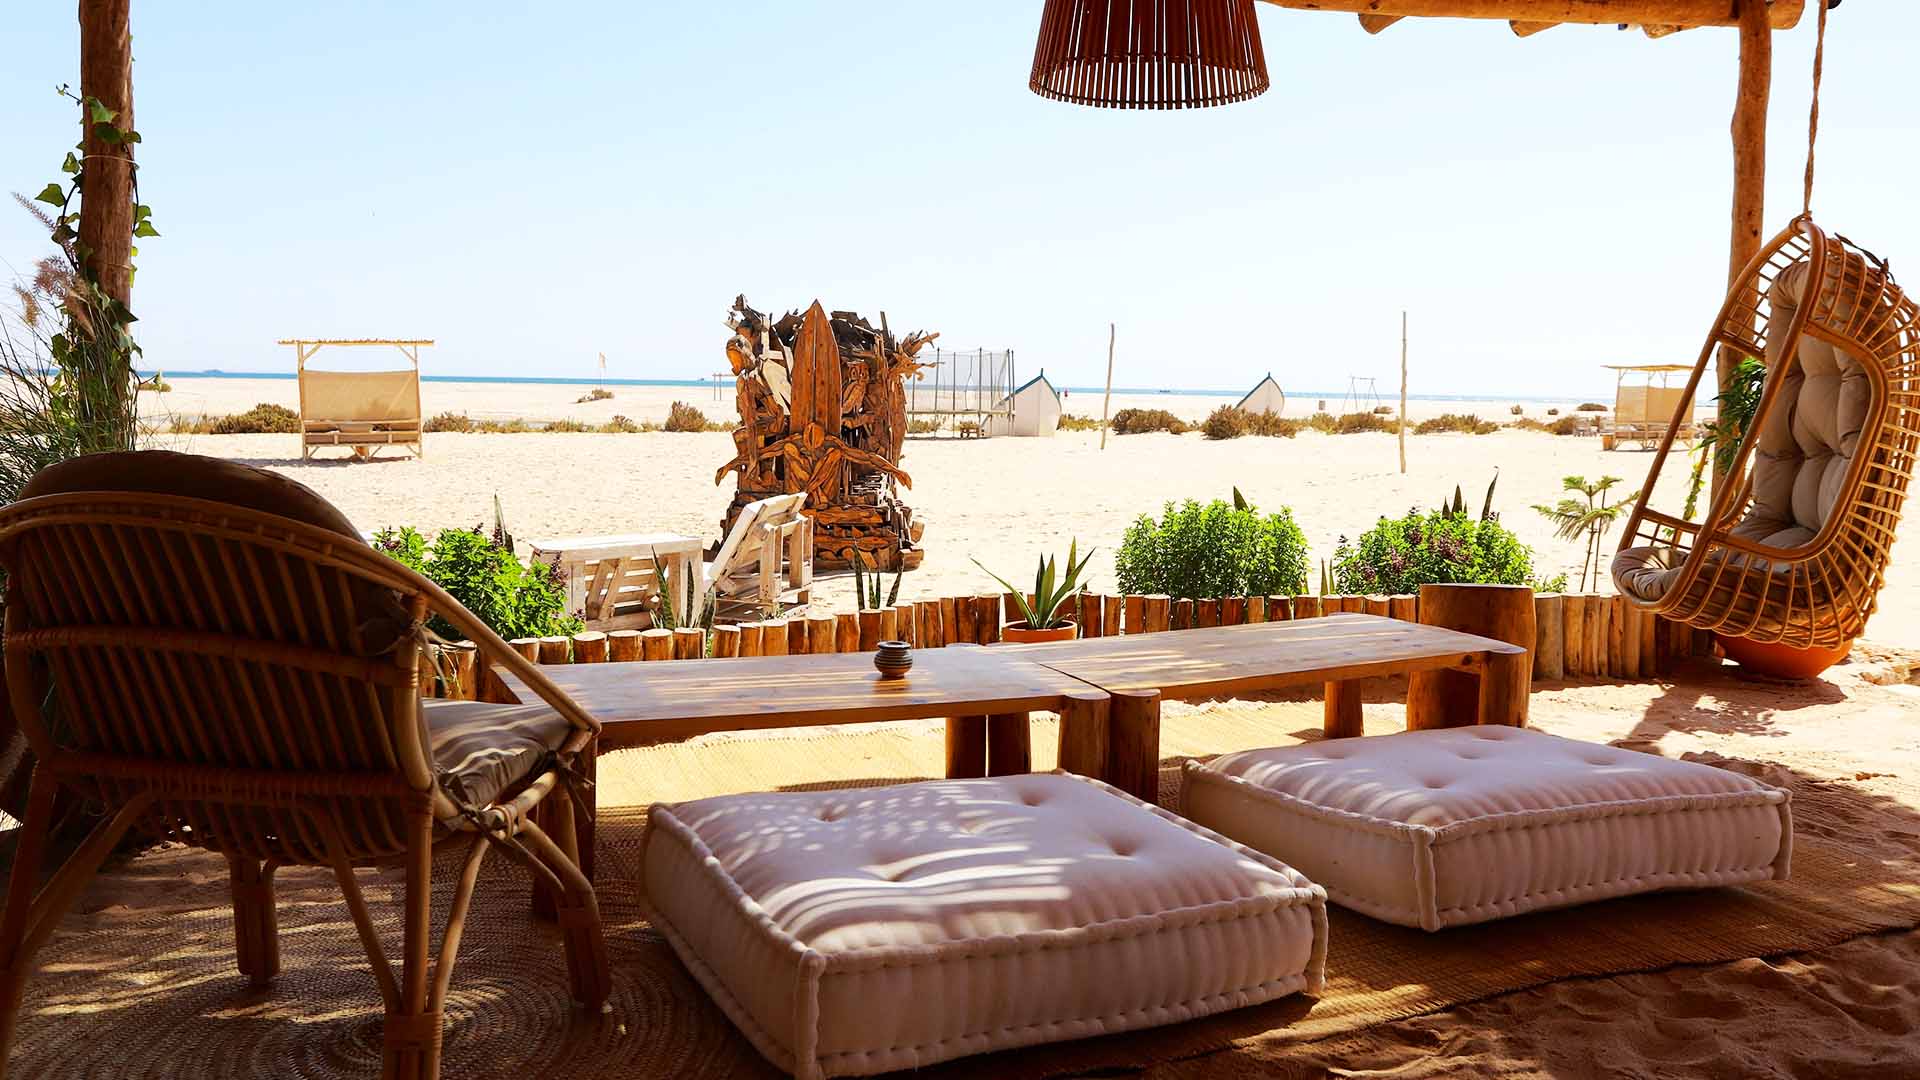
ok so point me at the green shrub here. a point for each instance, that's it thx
(1398, 555)
(513, 599)
(1466, 423)
(568, 425)
(1070, 422)
(620, 425)
(1528, 423)
(1591, 406)
(1141, 421)
(1566, 425)
(263, 419)
(1219, 549)
(684, 417)
(502, 427)
(449, 421)
(1267, 423)
(1226, 422)
(1350, 424)
(598, 393)
(922, 426)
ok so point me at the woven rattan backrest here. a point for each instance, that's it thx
(234, 654)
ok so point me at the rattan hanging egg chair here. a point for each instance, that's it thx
(1794, 548)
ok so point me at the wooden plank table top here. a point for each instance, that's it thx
(1224, 660)
(670, 699)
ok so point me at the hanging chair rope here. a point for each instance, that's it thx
(1813, 113)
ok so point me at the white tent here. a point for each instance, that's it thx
(1265, 398)
(1036, 410)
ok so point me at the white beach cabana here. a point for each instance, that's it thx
(1036, 409)
(1267, 397)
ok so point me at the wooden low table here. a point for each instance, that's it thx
(1337, 650)
(666, 700)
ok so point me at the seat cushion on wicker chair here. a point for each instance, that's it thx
(860, 931)
(1463, 825)
(482, 750)
(1801, 455)
(379, 617)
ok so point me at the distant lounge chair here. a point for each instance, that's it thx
(766, 561)
(363, 411)
(213, 653)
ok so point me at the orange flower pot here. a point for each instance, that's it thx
(1019, 633)
(1781, 661)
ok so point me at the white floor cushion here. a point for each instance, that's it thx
(859, 931)
(1442, 828)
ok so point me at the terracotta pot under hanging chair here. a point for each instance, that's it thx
(1795, 545)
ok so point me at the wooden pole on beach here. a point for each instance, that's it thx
(1749, 131)
(1108, 399)
(1403, 392)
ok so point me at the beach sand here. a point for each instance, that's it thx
(1005, 501)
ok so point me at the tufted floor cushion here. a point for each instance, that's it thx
(1801, 456)
(1463, 825)
(860, 931)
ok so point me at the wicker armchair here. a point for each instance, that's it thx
(212, 651)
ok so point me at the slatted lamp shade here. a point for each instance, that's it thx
(1149, 54)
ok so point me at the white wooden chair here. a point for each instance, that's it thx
(766, 561)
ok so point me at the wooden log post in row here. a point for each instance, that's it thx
(590, 647)
(1649, 663)
(1405, 608)
(556, 650)
(1573, 622)
(1549, 641)
(799, 633)
(906, 624)
(774, 637)
(1306, 607)
(1133, 614)
(1090, 616)
(820, 635)
(986, 620)
(846, 632)
(752, 635)
(1156, 612)
(726, 641)
(869, 632)
(623, 646)
(1110, 615)
(656, 644)
(1599, 618)
(1499, 693)
(1256, 609)
(1279, 609)
(1182, 615)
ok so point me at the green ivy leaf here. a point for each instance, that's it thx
(130, 136)
(100, 113)
(142, 212)
(145, 228)
(71, 165)
(52, 194)
(107, 133)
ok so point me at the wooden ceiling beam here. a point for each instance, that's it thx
(1373, 24)
(1782, 14)
(1528, 29)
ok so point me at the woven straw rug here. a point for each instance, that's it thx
(139, 982)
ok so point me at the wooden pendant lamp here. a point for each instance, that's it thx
(1149, 54)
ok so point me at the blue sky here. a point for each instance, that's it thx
(531, 189)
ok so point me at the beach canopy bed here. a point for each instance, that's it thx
(212, 653)
(364, 411)
(1643, 411)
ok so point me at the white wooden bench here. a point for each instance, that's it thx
(611, 580)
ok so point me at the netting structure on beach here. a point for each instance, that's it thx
(958, 387)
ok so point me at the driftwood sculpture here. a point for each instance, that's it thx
(823, 410)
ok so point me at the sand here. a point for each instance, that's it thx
(1004, 501)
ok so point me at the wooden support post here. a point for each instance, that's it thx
(689, 643)
(820, 635)
(656, 644)
(1133, 614)
(751, 635)
(1182, 615)
(1498, 694)
(1133, 761)
(1353, 605)
(1380, 605)
(1749, 132)
(1156, 612)
(107, 182)
(1649, 661)
(905, 624)
(623, 646)
(1280, 609)
(1599, 617)
(774, 638)
(1616, 636)
(1406, 608)
(926, 625)
(1009, 744)
(961, 628)
(846, 632)
(726, 641)
(1343, 717)
(1233, 610)
(1306, 607)
(1549, 636)
(800, 636)
(888, 630)
(868, 632)
(986, 620)
(1091, 618)
(1626, 622)
(589, 647)
(1574, 630)
(555, 650)
(1256, 609)
(1110, 615)
(966, 747)
(528, 647)
(1206, 612)
(1084, 735)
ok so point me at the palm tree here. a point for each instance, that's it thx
(1574, 519)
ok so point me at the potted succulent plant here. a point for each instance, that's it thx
(1043, 608)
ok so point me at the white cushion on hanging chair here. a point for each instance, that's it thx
(1804, 449)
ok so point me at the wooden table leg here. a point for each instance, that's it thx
(966, 747)
(1084, 735)
(1133, 753)
(1505, 683)
(1343, 714)
(1009, 744)
(550, 816)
